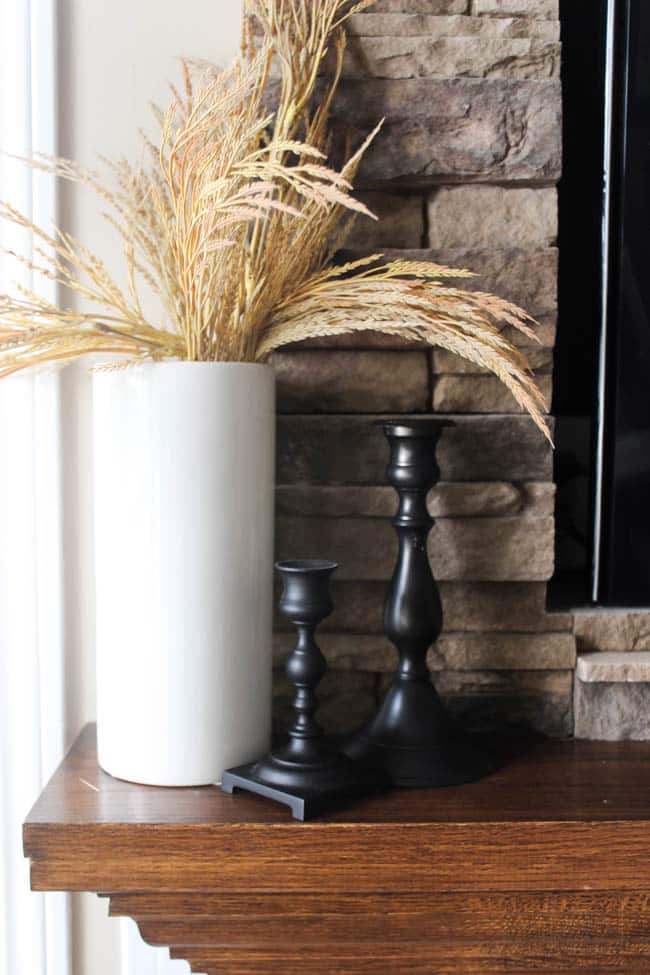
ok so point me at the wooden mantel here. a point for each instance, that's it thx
(544, 867)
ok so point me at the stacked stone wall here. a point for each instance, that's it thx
(463, 172)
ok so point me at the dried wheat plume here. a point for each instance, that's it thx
(233, 221)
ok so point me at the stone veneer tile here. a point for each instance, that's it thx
(614, 668)
(612, 711)
(450, 129)
(339, 381)
(421, 7)
(612, 629)
(549, 9)
(462, 499)
(470, 607)
(400, 222)
(498, 216)
(453, 651)
(481, 394)
(445, 363)
(471, 549)
(452, 57)
(352, 450)
(525, 276)
(346, 700)
(541, 700)
(372, 24)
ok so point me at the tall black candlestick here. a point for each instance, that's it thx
(412, 737)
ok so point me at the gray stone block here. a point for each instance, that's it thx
(453, 651)
(481, 394)
(341, 381)
(497, 216)
(463, 499)
(470, 56)
(353, 450)
(470, 549)
(442, 130)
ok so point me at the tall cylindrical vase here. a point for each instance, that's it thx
(184, 477)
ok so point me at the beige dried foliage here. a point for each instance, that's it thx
(233, 222)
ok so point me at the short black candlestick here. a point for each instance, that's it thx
(308, 774)
(412, 737)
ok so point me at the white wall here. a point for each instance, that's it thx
(115, 57)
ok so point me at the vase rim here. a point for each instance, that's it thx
(306, 565)
(168, 363)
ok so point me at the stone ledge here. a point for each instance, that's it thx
(614, 668)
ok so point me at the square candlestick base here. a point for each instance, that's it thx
(309, 792)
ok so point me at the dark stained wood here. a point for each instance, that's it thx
(543, 867)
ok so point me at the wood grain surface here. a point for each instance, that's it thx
(541, 867)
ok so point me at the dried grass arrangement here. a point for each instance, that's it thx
(233, 223)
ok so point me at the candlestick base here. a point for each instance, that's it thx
(416, 744)
(309, 792)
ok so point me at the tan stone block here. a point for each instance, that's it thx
(612, 711)
(541, 700)
(437, 130)
(447, 363)
(481, 216)
(431, 7)
(400, 223)
(476, 607)
(499, 606)
(612, 629)
(338, 381)
(481, 394)
(451, 57)
(463, 499)
(453, 651)
(536, 9)
(503, 651)
(373, 24)
(352, 450)
(472, 549)
(526, 277)
(610, 667)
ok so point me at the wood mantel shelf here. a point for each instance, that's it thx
(543, 867)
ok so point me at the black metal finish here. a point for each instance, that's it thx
(412, 737)
(625, 526)
(307, 774)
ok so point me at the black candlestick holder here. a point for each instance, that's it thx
(412, 737)
(308, 773)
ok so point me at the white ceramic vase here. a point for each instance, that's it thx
(184, 477)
